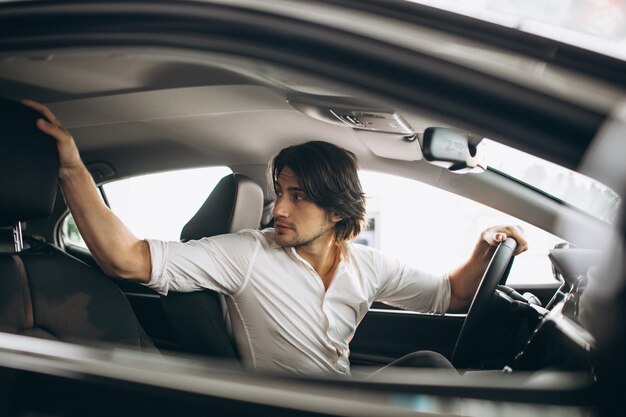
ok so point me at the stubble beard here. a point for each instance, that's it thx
(297, 243)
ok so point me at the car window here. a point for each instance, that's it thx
(597, 25)
(70, 234)
(573, 188)
(155, 206)
(436, 230)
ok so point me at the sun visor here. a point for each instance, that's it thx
(29, 165)
(385, 145)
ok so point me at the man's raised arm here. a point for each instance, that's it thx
(116, 249)
(465, 279)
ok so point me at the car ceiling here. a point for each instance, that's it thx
(207, 109)
(446, 72)
(130, 108)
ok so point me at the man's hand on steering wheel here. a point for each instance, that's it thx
(498, 234)
(476, 281)
(465, 279)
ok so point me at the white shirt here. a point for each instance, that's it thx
(282, 317)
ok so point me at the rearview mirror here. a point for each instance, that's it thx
(453, 149)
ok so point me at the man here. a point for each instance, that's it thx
(297, 291)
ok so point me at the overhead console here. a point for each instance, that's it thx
(351, 111)
(387, 134)
(383, 130)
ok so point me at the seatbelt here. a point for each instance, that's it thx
(29, 316)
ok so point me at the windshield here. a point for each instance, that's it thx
(597, 25)
(571, 187)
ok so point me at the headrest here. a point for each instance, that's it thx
(235, 203)
(29, 165)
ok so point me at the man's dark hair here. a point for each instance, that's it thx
(329, 177)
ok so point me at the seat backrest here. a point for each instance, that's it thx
(199, 320)
(43, 291)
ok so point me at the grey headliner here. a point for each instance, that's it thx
(154, 110)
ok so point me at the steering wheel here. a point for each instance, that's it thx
(496, 273)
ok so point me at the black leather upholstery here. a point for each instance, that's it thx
(43, 291)
(198, 324)
(235, 203)
(29, 164)
(46, 293)
(197, 319)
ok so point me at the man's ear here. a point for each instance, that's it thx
(334, 217)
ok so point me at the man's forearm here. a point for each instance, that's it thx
(465, 279)
(116, 249)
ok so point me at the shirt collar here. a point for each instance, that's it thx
(269, 232)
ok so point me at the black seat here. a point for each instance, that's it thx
(43, 291)
(199, 319)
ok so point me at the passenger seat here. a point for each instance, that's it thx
(199, 319)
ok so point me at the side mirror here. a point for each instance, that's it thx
(453, 149)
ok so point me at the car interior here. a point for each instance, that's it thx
(137, 108)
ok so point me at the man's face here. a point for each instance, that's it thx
(299, 221)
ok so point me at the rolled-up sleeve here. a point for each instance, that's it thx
(412, 289)
(219, 263)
